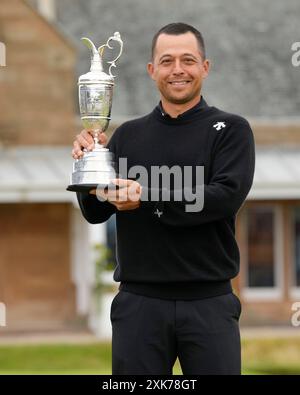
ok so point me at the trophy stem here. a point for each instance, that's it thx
(96, 139)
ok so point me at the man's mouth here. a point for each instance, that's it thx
(179, 83)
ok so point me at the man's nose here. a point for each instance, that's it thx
(177, 69)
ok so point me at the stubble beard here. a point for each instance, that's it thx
(183, 100)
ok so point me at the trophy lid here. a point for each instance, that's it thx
(96, 73)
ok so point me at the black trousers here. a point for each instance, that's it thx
(148, 334)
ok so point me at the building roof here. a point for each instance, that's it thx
(53, 26)
(249, 44)
(277, 173)
(41, 174)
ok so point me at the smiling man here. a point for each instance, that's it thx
(178, 67)
(175, 267)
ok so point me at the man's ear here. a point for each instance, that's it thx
(206, 66)
(150, 69)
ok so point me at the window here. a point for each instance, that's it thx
(260, 240)
(296, 246)
(263, 252)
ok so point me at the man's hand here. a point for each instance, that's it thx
(127, 197)
(84, 140)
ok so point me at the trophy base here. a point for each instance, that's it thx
(89, 187)
(94, 170)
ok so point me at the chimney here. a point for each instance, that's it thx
(47, 8)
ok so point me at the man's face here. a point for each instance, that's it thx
(178, 68)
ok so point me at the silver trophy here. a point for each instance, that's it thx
(96, 167)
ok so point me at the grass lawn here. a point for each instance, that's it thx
(260, 356)
(271, 356)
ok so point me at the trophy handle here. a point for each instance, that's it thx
(115, 37)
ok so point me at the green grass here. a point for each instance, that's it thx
(56, 359)
(260, 356)
(272, 356)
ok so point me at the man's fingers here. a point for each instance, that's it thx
(129, 190)
(83, 142)
(118, 198)
(126, 183)
(87, 135)
(77, 151)
(122, 196)
(102, 138)
(121, 182)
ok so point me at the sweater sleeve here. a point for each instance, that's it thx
(93, 210)
(231, 177)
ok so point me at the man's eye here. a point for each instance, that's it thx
(189, 61)
(166, 61)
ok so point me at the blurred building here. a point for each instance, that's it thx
(268, 227)
(46, 269)
(46, 248)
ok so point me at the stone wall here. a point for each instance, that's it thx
(283, 133)
(37, 85)
(35, 281)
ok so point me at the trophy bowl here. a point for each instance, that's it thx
(96, 168)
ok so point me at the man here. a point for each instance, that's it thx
(175, 265)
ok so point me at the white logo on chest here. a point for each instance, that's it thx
(219, 125)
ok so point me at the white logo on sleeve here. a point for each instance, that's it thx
(158, 213)
(219, 125)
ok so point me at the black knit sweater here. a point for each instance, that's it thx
(163, 250)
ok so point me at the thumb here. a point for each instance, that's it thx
(121, 182)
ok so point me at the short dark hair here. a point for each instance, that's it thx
(176, 29)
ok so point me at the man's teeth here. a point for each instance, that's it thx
(179, 82)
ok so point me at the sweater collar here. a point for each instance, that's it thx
(200, 106)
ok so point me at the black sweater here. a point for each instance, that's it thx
(163, 250)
